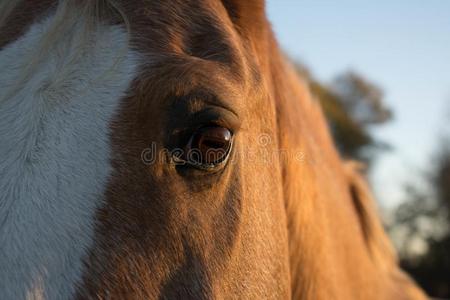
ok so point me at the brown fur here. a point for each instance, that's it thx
(286, 228)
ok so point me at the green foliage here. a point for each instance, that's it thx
(441, 179)
(351, 105)
(432, 268)
(361, 98)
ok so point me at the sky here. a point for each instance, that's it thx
(404, 47)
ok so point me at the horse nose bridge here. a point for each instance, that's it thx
(191, 279)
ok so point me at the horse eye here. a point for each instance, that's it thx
(209, 146)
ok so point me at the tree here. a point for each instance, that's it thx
(361, 98)
(426, 216)
(351, 104)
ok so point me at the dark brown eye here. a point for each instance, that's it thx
(209, 146)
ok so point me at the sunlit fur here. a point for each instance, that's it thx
(283, 229)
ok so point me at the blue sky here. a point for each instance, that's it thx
(403, 46)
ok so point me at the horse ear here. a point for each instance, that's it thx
(247, 15)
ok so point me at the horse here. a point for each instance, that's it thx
(168, 150)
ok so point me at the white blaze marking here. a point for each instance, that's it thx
(54, 159)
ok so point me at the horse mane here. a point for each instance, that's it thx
(377, 241)
(329, 206)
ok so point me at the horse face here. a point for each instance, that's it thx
(141, 155)
(141, 160)
(193, 207)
